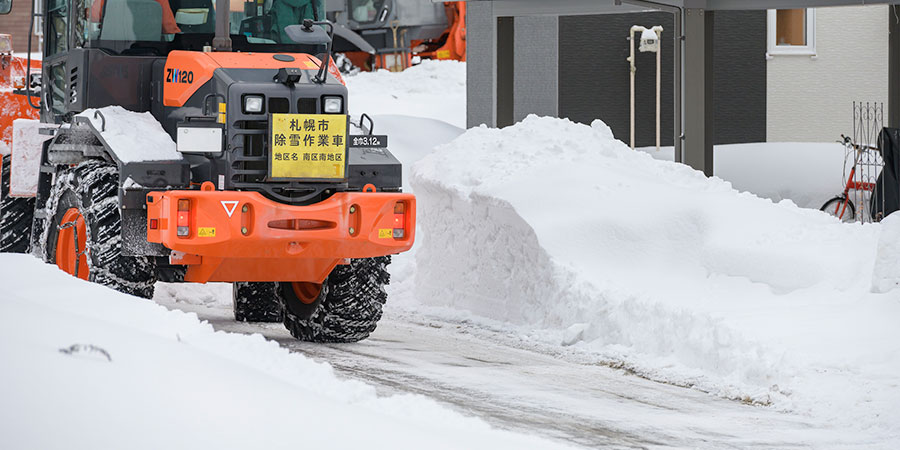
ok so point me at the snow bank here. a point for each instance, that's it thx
(809, 174)
(133, 136)
(886, 275)
(87, 367)
(559, 227)
(433, 89)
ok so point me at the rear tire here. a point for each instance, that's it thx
(256, 302)
(89, 191)
(834, 206)
(16, 214)
(347, 308)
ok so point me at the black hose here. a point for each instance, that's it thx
(28, 64)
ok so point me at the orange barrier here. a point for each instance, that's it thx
(243, 236)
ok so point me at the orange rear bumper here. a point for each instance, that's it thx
(243, 236)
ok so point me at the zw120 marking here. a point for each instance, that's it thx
(179, 76)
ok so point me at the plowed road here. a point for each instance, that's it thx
(494, 376)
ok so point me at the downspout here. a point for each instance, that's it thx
(632, 69)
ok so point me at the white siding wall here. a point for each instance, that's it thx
(810, 99)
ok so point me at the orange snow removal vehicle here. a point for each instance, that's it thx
(183, 141)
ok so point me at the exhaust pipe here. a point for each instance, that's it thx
(222, 41)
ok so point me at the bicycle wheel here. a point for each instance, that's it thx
(840, 207)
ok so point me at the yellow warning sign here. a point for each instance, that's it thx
(206, 232)
(311, 146)
(385, 233)
(443, 54)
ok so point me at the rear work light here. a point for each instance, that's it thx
(184, 217)
(399, 220)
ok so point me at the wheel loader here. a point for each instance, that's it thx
(392, 34)
(206, 141)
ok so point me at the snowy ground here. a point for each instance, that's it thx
(652, 267)
(650, 264)
(483, 368)
(86, 368)
(550, 269)
(434, 90)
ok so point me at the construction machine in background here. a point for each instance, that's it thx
(15, 77)
(395, 34)
(189, 142)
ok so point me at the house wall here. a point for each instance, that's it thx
(481, 30)
(535, 67)
(16, 23)
(595, 74)
(594, 78)
(810, 99)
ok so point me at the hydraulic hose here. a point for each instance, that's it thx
(28, 64)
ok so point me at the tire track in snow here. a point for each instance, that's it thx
(474, 371)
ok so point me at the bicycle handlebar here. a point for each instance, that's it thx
(845, 140)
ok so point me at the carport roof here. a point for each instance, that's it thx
(565, 7)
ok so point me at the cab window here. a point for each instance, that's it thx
(365, 11)
(57, 26)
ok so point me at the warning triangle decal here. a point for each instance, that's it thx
(230, 206)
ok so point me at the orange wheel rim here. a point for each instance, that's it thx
(71, 242)
(307, 293)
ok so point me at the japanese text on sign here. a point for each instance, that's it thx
(308, 146)
(368, 140)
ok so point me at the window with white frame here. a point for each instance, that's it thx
(792, 31)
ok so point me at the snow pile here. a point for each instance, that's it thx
(886, 276)
(556, 226)
(107, 370)
(806, 173)
(433, 89)
(133, 136)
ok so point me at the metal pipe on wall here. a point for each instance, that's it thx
(678, 14)
(648, 44)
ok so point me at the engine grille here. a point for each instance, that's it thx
(250, 164)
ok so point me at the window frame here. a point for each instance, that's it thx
(774, 49)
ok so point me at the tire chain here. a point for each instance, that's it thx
(96, 181)
(351, 307)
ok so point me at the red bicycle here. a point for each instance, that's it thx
(841, 206)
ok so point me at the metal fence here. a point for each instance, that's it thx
(862, 159)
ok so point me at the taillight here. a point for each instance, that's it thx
(184, 217)
(399, 220)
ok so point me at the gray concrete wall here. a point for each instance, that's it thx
(535, 73)
(481, 66)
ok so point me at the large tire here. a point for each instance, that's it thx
(16, 214)
(87, 194)
(256, 302)
(347, 307)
